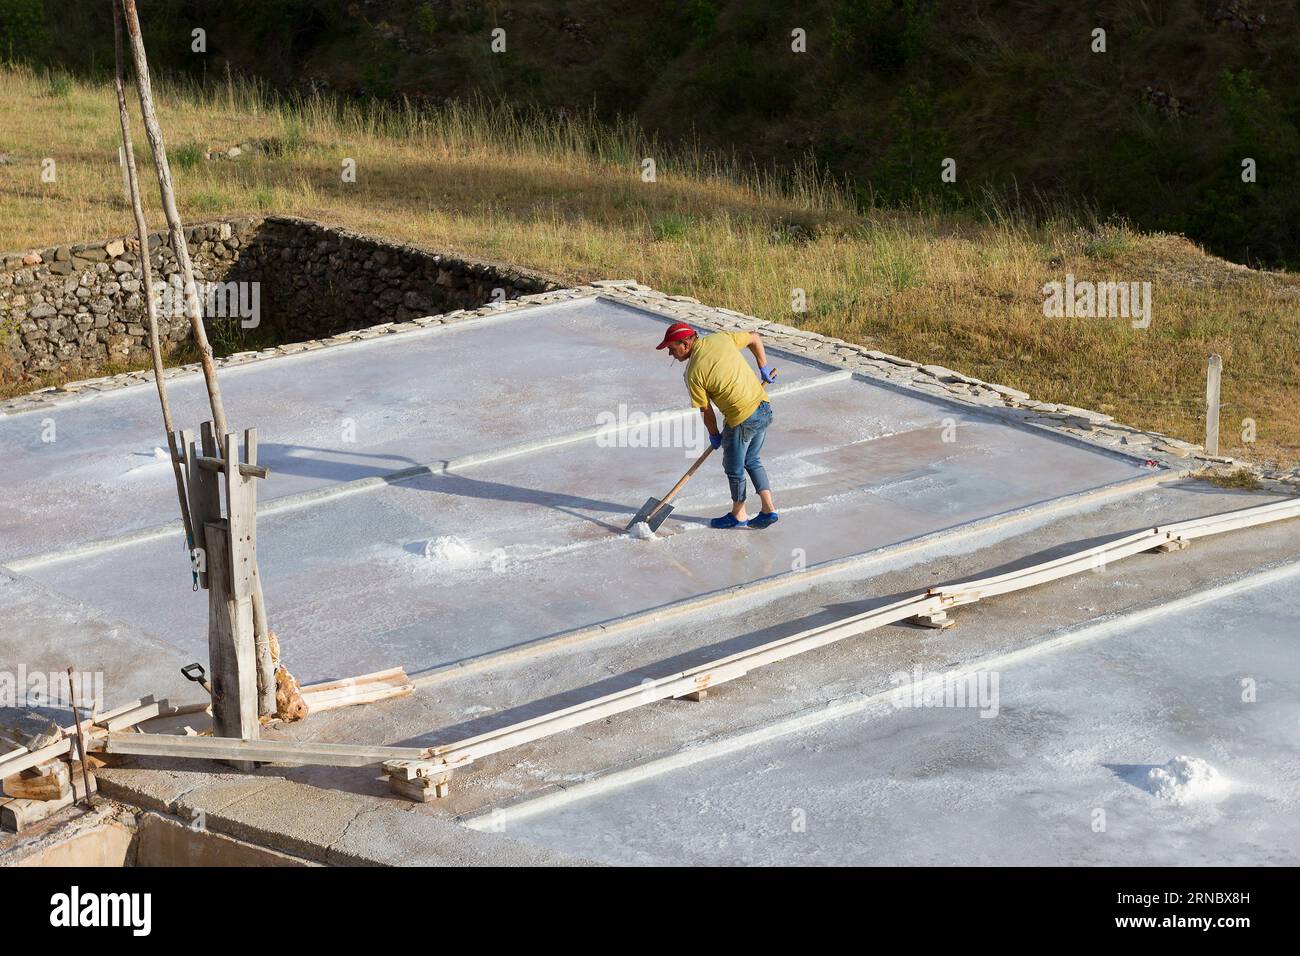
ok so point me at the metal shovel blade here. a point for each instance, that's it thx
(643, 515)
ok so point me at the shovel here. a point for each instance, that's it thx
(655, 511)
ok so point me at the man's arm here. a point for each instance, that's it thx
(711, 423)
(755, 345)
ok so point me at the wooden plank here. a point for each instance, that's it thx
(1088, 560)
(939, 621)
(18, 761)
(263, 751)
(138, 715)
(933, 605)
(464, 752)
(103, 719)
(1234, 520)
(1149, 535)
(395, 675)
(420, 789)
(335, 702)
(365, 689)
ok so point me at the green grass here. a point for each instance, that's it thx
(186, 156)
(671, 226)
(1242, 478)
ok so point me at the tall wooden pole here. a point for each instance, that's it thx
(265, 668)
(153, 131)
(146, 268)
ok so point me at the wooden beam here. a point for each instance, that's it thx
(22, 759)
(933, 605)
(219, 465)
(1234, 520)
(939, 620)
(365, 689)
(176, 230)
(464, 752)
(135, 715)
(1046, 570)
(312, 753)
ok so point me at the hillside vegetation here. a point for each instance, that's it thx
(1155, 128)
(960, 288)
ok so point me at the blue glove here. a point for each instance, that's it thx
(768, 374)
(715, 441)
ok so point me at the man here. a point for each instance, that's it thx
(717, 374)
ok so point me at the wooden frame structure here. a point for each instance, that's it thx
(228, 570)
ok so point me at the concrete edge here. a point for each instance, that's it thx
(313, 824)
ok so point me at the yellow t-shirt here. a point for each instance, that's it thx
(717, 372)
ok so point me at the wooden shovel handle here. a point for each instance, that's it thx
(685, 478)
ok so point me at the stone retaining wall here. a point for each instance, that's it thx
(76, 309)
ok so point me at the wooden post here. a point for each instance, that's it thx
(153, 130)
(1213, 377)
(230, 645)
(231, 654)
(205, 492)
(261, 630)
(146, 268)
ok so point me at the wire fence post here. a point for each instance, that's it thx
(1213, 377)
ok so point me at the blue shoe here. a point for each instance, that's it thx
(726, 521)
(764, 519)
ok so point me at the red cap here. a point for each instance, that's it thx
(676, 332)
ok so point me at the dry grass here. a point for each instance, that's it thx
(958, 290)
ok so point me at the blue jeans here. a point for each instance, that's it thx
(740, 448)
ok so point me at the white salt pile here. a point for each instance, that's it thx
(1185, 780)
(162, 454)
(643, 531)
(450, 552)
